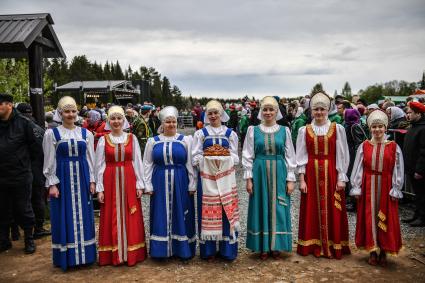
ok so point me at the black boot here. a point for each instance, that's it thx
(14, 232)
(5, 243)
(40, 232)
(29, 241)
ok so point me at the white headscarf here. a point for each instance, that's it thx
(215, 105)
(65, 103)
(299, 112)
(169, 111)
(269, 101)
(116, 111)
(396, 113)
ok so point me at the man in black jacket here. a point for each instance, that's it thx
(18, 146)
(414, 160)
(38, 197)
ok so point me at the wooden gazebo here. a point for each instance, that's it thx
(30, 36)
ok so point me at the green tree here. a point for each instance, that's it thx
(80, 69)
(118, 72)
(346, 90)
(372, 93)
(317, 88)
(166, 92)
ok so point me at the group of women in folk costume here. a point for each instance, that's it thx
(174, 167)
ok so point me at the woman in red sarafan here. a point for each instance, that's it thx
(120, 186)
(377, 180)
(322, 160)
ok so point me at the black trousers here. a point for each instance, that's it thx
(419, 190)
(38, 205)
(15, 203)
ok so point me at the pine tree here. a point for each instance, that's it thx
(166, 93)
(118, 72)
(317, 88)
(346, 90)
(423, 81)
(107, 75)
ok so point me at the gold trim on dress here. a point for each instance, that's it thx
(319, 243)
(115, 248)
(337, 196)
(381, 215)
(383, 226)
(338, 205)
(109, 141)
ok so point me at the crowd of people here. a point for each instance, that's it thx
(347, 156)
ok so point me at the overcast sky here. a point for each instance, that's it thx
(231, 48)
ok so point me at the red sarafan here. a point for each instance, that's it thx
(121, 230)
(378, 224)
(323, 224)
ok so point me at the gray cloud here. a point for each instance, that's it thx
(246, 46)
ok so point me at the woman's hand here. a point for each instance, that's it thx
(340, 185)
(249, 186)
(92, 188)
(303, 186)
(101, 197)
(290, 186)
(148, 193)
(53, 191)
(192, 193)
(139, 193)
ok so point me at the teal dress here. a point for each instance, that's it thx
(269, 211)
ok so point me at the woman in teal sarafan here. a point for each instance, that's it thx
(268, 158)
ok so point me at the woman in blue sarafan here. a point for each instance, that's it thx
(68, 168)
(269, 161)
(215, 133)
(169, 179)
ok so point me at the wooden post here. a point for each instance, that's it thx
(35, 64)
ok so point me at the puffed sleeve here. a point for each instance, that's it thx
(148, 165)
(398, 175)
(248, 153)
(49, 164)
(234, 143)
(190, 170)
(100, 164)
(197, 152)
(138, 164)
(302, 154)
(90, 155)
(290, 157)
(342, 156)
(357, 173)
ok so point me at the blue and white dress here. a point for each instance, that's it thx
(169, 175)
(204, 138)
(68, 163)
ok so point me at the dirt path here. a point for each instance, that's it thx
(17, 267)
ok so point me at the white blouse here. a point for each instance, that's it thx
(248, 154)
(342, 156)
(397, 178)
(149, 165)
(198, 140)
(101, 162)
(49, 149)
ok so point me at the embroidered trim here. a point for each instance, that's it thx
(337, 196)
(382, 216)
(218, 176)
(338, 205)
(319, 243)
(382, 226)
(115, 248)
(133, 209)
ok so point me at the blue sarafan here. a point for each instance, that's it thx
(172, 209)
(269, 211)
(72, 219)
